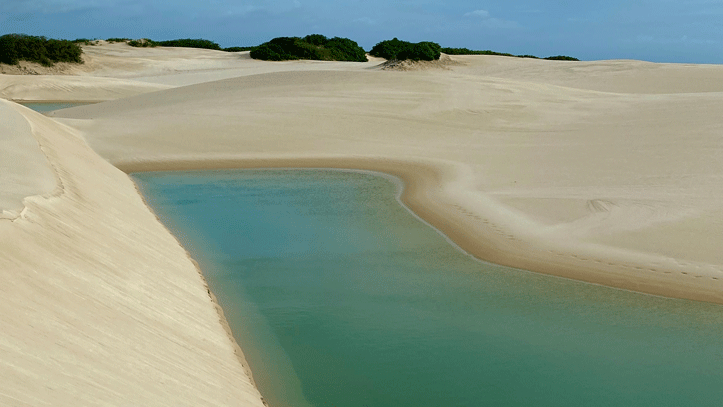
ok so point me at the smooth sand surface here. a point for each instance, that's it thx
(113, 71)
(31, 88)
(608, 171)
(24, 170)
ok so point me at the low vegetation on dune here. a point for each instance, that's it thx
(467, 51)
(314, 47)
(239, 49)
(18, 47)
(85, 41)
(191, 43)
(114, 40)
(142, 43)
(319, 47)
(396, 49)
(183, 43)
(561, 58)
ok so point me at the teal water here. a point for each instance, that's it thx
(340, 297)
(49, 107)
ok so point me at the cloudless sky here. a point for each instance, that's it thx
(652, 30)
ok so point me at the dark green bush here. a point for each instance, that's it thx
(344, 49)
(314, 47)
(281, 49)
(315, 39)
(84, 41)
(142, 43)
(388, 49)
(270, 52)
(418, 52)
(113, 40)
(397, 49)
(190, 43)
(433, 46)
(458, 51)
(466, 51)
(237, 49)
(562, 58)
(18, 47)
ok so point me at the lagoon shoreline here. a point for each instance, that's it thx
(230, 218)
(237, 350)
(423, 195)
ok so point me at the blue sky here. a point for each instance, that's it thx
(652, 30)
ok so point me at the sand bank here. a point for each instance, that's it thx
(24, 170)
(44, 88)
(438, 192)
(100, 304)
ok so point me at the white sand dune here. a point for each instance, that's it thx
(617, 76)
(114, 71)
(606, 171)
(99, 304)
(29, 88)
(24, 170)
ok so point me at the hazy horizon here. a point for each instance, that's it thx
(659, 31)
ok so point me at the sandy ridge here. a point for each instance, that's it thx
(24, 169)
(100, 303)
(70, 88)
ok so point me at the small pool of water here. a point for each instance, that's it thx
(49, 107)
(340, 297)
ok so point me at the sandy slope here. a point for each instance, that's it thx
(186, 66)
(70, 88)
(113, 71)
(99, 304)
(618, 76)
(606, 171)
(24, 170)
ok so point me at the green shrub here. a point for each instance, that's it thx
(344, 49)
(458, 51)
(238, 49)
(397, 49)
(388, 49)
(433, 46)
(142, 43)
(314, 47)
(466, 51)
(315, 39)
(18, 47)
(418, 52)
(84, 41)
(114, 40)
(562, 58)
(190, 43)
(280, 49)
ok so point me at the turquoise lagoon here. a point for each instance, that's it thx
(339, 296)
